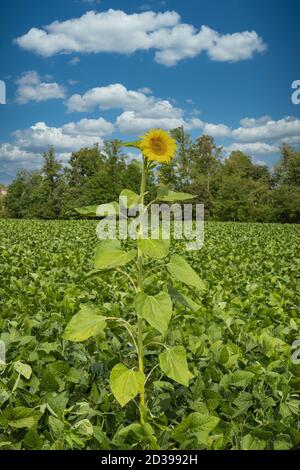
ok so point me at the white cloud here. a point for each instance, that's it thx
(252, 122)
(131, 122)
(119, 32)
(117, 96)
(31, 88)
(235, 47)
(91, 127)
(146, 90)
(253, 148)
(14, 153)
(140, 111)
(214, 130)
(108, 97)
(285, 129)
(74, 61)
(40, 136)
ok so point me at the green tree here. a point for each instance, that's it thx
(204, 165)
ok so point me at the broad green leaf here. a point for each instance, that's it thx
(165, 195)
(56, 427)
(157, 249)
(23, 369)
(183, 272)
(239, 378)
(99, 210)
(173, 363)
(249, 442)
(58, 403)
(125, 383)
(88, 211)
(109, 255)
(134, 434)
(156, 309)
(32, 441)
(271, 344)
(83, 427)
(283, 443)
(193, 424)
(83, 325)
(21, 417)
(183, 299)
(135, 144)
(129, 198)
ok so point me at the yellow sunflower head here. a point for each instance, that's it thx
(157, 145)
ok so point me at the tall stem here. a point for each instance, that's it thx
(140, 289)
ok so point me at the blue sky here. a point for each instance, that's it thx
(113, 68)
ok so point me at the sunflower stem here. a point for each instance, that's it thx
(140, 289)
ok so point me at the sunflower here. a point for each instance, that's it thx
(157, 145)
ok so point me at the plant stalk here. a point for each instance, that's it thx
(140, 289)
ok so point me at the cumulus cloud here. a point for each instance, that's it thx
(253, 148)
(284, 129)
(214, 130)
(74, 61)
(91, 127)
(131, 122)
(30, 87)
(39, 136)
(255, 136)
(252, 122)
(15, 153)
(117, 96)
(119, 32)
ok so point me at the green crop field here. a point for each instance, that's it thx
(244, 394)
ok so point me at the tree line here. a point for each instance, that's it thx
(231, 189)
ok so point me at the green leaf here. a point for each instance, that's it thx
(132, 199)
(23, 369)
(32, 440)
(194, 423)
(239, 379)
(134, 434)
(88, 211)
(86, 323)
(183, 299)
(21, 417)
(56, 427)
(99, 210)
(58, 403)
(157, 249)
(157, 309)
(183, 272)
(173, 363)
(249, 442)
(164, 194)
(84, 427)
(136, 144)
(125, 383)
(109, 255)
